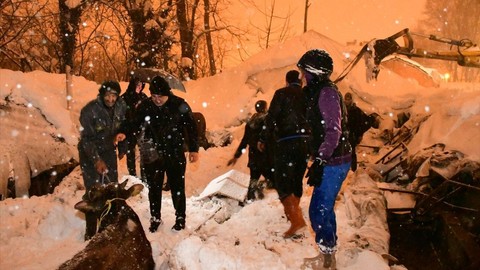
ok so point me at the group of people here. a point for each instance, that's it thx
(303, 122)
(164, 126)
(310, 122)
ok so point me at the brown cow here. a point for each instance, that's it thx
(120, 241)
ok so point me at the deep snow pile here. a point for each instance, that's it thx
(219, 232)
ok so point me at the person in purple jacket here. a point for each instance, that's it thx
(330, 150)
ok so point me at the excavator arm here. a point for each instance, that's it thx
(466, 54)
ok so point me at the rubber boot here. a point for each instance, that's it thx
(291, 205)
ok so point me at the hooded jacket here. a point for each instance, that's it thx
(132, 100)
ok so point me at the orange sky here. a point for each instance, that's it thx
(346, 20)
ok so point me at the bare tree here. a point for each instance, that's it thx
(276, 27)
(150, 43)
(102, 39)
(305, 17)
(19, 19)
(186, 22)
(68, 26)
(208, 37)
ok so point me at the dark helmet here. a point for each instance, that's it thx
(261, 106)
(159, 86)
(317, 62)
(109, 86)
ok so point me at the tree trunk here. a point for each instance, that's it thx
(150, 46)
(305, 17)
(208, 37)
(186, 37)
(68, 25)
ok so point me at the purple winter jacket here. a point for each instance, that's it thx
(330, 134)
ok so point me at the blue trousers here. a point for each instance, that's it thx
(321, 210)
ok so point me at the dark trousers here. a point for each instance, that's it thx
(174, 169)
(291, 157)
(354, 155)
(257, 171)
(131, 143)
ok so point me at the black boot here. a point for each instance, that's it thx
(260, 188)
(252, 188)
(179, 224)
(154, 224)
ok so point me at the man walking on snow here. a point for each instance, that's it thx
(287, 126)
(258, 161)
(166, 119)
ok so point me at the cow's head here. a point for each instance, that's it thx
(99, 196)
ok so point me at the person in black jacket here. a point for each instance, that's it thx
(286, 125)
(133, 96)
(358, 123)
(259, 162)
(101, 120)
(163, 120)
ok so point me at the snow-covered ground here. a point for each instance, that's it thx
(42, 232)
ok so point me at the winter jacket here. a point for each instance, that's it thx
(326, 115)
(133, 100)
(167, 125)
(358, 123)
(250, 138)
(286, 115)
(99, 128)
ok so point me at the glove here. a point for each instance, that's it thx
(315, 172)
(101, 167)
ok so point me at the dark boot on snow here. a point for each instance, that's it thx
(252, 188)
(154, 224)
(179, 224)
